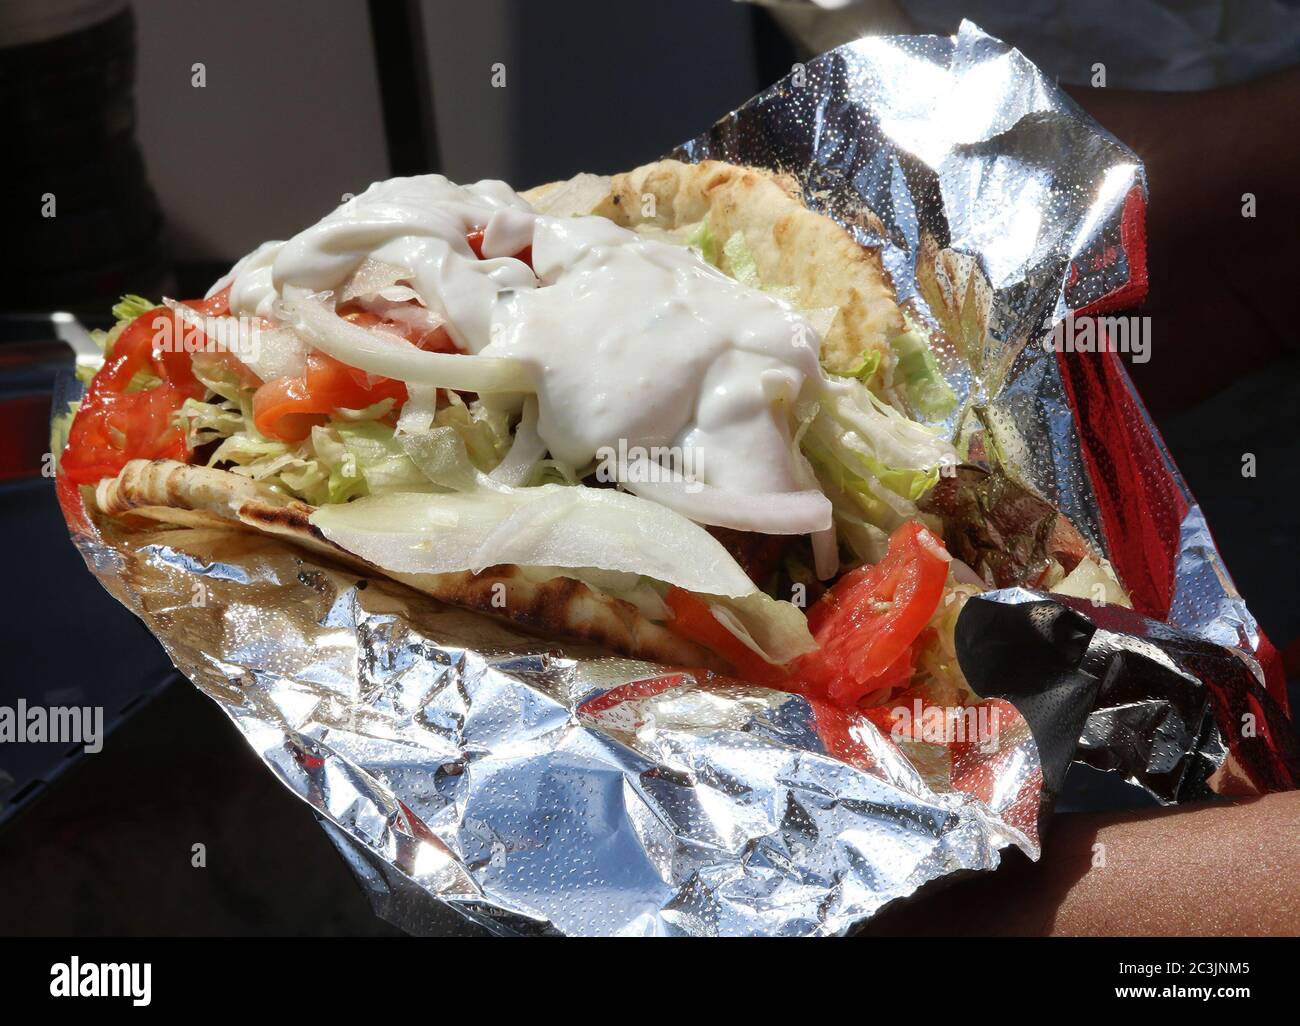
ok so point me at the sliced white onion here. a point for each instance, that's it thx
(418, 411)
(825, 544)
(372, 277)
(548, 526)
(390, 357)
(826, 553)
(525, 451)
(803, 512)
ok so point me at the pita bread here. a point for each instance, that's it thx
(176, 493)
(793, 247)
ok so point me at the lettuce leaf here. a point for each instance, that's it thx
(705, 244)
(917, 373)
(774, 629)
(872, 462)
(376, 455)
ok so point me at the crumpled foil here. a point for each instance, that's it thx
(1000, 208)
(541, 791)
(537, 788)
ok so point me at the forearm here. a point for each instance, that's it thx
(1222, 869)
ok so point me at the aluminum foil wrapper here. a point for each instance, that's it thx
(537, 788)
(1001, 208)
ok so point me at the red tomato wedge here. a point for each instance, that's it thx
(866, 624)
(112, 425)
(475, 240)
(284, 408)
(288, 408)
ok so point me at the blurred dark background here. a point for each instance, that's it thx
(172, 136)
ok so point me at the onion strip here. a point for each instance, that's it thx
(525, 451)
(390, 357)
(804, 512)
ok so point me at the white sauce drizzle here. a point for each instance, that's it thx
(626, 338)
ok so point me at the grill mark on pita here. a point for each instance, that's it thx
(286, 518)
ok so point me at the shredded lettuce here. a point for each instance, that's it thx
(740, 261)
(372, 453)
(219, 378)
(355, 454)
(440, 455)
(484, 431)
(918, 374)
(866, 367)
(125, 310)
(129, 307)
(872, 462)
(337, 462)
(206, 422)
(937, 669)
(705, 244)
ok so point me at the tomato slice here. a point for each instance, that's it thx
(113, 425)
(866, 624)
(693, 620)
(341, 386)
(475, 240)
(284, 408)
(217, 305)
(288, 408)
